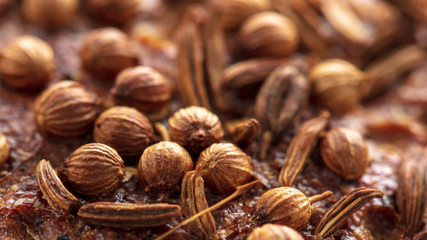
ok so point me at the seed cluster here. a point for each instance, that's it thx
(260, 92)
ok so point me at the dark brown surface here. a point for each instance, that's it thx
(391, 125)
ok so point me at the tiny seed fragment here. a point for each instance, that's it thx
(57, 196)
(278, 102)
(343, 209)
(243, 132)
(300, 147)
(129, 215)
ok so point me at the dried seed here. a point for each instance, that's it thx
(388, 24)
(93, 169)
(107, 51)
(420, 236)
(342, 17)
(414, 8)
(300, 147)
(125, 129)
(191, 82)
(344, 208)
(246, 76)
(195, 128)
(27, 63)
(274, 231)
(243, 132)
(215, 51)
(278, 102)
(163, 165)
(143, 88)
(345, 152)
(49, 15)
(239, 191)
(308, 21)
(201, 51)
(129, 215)
(193, 200)
(4, 150)
(224, 167)
(113, 11)
(235, 12)
(57, 196)
(287, 206)
(384, 71)
(66, 109)
(412, 190)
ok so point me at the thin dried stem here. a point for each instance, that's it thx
(162, 130)
(320, 197)
(239, 191)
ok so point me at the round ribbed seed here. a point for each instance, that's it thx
(224, 167)
(287, 206)
(94, 168)
(66, 109)
(125, 129)
(195, 128)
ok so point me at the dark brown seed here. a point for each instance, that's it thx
(274, 231)
(107, 51)
(4, 150)
(93, 169)
(129, 215)
(239, 191)
(224, 167)
(247, 76)
(215, 50)
(114, 11)
(383, 72)
(268, 34)
(66, 109)
(195, 128)
(163, 165)
(286, 206)
(143, 88)
(345, 152)
(26, 63)
(125, 129)
(279, 101)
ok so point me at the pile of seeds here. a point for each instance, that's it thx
(243, 99)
